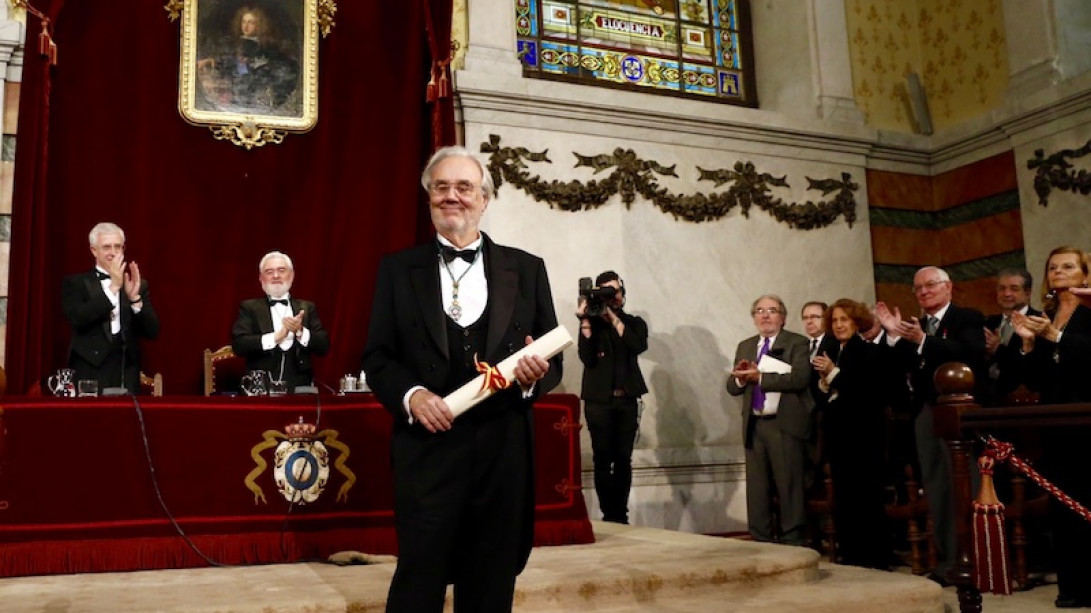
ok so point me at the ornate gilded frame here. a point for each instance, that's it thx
(250, 91)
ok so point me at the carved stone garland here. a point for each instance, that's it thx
(632, 176)
(1055, 172)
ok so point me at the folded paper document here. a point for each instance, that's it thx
(773, 365)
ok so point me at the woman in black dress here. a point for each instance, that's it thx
(1057, 356)
(854, 427)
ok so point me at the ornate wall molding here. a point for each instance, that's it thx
(634, 176)
(1055, 172)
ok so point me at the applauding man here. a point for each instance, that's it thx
(110, 311)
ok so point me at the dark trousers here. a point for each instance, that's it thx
(613, 427)
(459, 505)
(935, 461)
(775, 462)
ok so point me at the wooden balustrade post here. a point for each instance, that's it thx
(954, 385)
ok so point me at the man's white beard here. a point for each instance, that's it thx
(276, 290)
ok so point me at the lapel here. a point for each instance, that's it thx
(503, 279)
(264, 316)
(94, 287)
(424, 279)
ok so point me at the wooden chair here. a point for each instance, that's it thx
(151, 385)
(820, 509)
(223, 370)
(911, 507)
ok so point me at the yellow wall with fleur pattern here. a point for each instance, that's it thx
(956, 46)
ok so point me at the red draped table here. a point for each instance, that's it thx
(89, 485)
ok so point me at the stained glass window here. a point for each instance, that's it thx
(692, 48)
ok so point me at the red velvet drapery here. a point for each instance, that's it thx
(101, 139)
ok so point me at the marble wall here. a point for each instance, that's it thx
(694, 282)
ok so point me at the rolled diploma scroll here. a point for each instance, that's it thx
(548, 345)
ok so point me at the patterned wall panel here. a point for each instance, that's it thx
(966, 220)
(957, 48)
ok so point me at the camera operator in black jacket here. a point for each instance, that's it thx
(609, 342)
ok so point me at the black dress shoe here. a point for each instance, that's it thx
(1065, 601)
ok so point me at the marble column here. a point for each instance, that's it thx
(830, 62)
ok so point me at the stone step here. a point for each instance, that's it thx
(628, 569)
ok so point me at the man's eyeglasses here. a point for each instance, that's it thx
(764, 311)
(928, 285)
(462, 188)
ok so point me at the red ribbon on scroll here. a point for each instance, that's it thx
(493, 379)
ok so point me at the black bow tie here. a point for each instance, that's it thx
(283, 301)
(101, 276)
(450, 253)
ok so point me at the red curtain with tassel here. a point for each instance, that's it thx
(100, 139)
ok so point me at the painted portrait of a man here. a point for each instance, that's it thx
(248, 57)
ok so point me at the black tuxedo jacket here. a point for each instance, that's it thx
(407, 346)
(88, 310)
(255, 320)
(960, 337)
(602, 350)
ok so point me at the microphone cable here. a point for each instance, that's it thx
(170, 516)
(159, 492)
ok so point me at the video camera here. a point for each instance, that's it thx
(598, 298)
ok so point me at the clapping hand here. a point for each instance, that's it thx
(1083, 293)
(745, 371)
(822, 363)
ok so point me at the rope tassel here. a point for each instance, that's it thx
(991, 573)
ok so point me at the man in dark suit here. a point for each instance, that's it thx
(777, 420)
(610, 341)
(463, 490)
(944, 333)
(1002, 345)
(278, 333)
(110, 311)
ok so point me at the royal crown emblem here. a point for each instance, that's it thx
(301, 463)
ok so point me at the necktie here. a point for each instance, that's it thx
(814, 346)
(1006, 330)
(101, 276)
(283, 301)
(757, 401)
(450, 253)
(931, 325)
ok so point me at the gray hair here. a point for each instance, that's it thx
(275, 254)
(104, 228)
(783, 309)
(943, 276)
(458, 151)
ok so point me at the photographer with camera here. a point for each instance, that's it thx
(609, 341)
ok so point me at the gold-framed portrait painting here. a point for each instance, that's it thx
(250, 65)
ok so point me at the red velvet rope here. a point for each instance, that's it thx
(1002, 452)
(493, 379)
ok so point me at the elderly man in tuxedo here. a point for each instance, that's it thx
(110, 311)
(943, 333)
(463, 489)
(279, 333)
(776, 415)
(1002, 345)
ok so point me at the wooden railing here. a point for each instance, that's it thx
(959, 421)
